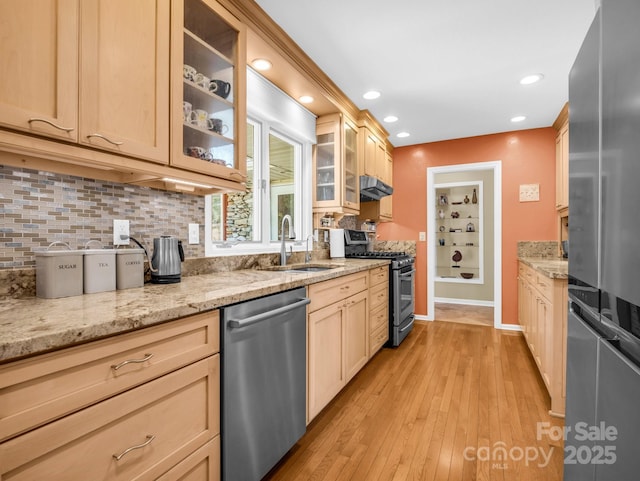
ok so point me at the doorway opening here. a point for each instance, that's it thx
(464, 249)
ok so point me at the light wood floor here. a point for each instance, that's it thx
(439, 408)
(480, 315)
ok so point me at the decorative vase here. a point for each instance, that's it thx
(441, 214)
(474, 197)
(466, 199)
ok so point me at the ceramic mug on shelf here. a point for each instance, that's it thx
(189, 72)
(195, 151)
(202, 80)
(220, 88)
(199, 118)
(187, 108)
(218, 126)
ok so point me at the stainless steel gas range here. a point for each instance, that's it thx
(401, 283)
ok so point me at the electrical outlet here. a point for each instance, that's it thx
(120, 227)
(423, 236)
(194, 234)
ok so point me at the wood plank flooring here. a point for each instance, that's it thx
(480, 315)
(455, 402)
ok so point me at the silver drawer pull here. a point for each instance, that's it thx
(150, 438)
(146, 357)
(48, 122)
(100, 136)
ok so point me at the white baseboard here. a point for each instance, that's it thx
(420, 317)
(466, 302)
(509, 327)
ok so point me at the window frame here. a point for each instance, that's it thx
(303, 220)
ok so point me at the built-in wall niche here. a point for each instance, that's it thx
(459, 232)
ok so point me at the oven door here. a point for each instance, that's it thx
(403, 293)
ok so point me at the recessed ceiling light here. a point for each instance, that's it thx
(531, 79)
(371, 94)
(518, 118)
(306, 99)
(403, 135)
(390, 118)
(261, 64)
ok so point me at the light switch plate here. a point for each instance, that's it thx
(194, 233)
(120, 227)
(423, 236)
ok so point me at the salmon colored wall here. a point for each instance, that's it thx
(528, 157)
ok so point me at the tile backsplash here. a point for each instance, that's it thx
(38, 208)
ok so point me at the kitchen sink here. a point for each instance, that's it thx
(309, 269)
(300, 267)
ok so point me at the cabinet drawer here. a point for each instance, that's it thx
(544, 285)
(203, 465)
(526, 273)
(379, 296)
(378, 275)
(378, 338)
(324, 293)
(173, 416)
(378, 317)
(39, 389)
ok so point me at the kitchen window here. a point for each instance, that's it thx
(278, 178)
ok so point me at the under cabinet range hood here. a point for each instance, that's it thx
(373, 189)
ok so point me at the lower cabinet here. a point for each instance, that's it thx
(542, 313)
(143, 419)
(378, 308)
(338, 337)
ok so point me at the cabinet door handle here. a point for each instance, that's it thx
(242, 176)
(146, 357)
(150, 437)
(100, 136)
(48, 122)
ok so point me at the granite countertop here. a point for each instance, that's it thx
(32, 326)
(552, 267)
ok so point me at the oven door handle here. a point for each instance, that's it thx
(407, 274)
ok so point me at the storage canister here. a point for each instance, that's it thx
(59, 273)
(99, 270)
(129, 268)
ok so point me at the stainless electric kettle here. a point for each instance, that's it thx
(165, 263)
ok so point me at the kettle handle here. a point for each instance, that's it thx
(180, 251)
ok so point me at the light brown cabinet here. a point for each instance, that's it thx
(102, 81)
(378, 308)
(562, 159)
(542, 314)
(338, 337)
(375, 160)
(335, 166)
(38, 85)
(124, 77)
(150, 398)
(212, 42)
(99, 74)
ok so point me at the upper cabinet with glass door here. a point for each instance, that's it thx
(208, 90)
(336, 177)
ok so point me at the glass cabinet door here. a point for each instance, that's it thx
(326, 174)
(337, 185)
(351, 180)
(209, 131)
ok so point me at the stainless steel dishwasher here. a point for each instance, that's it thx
(263, 382)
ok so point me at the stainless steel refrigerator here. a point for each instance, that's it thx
(602, 421)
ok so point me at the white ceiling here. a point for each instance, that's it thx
(448, 69)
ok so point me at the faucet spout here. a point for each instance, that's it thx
(283, 250)
(307, 254)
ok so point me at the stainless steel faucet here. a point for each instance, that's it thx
(292, 235)
(307, 254)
